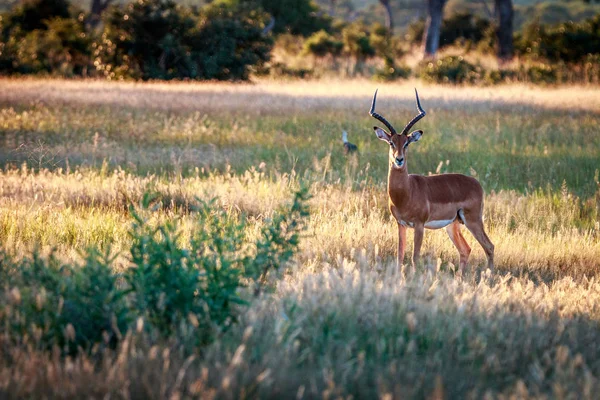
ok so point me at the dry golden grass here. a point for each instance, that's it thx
(273, 96)
(341, 321)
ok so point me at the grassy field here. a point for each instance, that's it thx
(341, 320)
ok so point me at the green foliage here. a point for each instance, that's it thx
(541, 73)
(43, 36)
(391, 73)
(178, 288)
(451, 69)
(69, 306)
(30, 15)
(357, 43)
(144, 40)
(175, 286)
(461, 28)
(569, 42)
(228, 42)
(279, 238)
(281, 70)
(322, 44)
(415, 31)
(156, 39)
(298, 17)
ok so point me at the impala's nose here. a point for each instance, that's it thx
(399, 161)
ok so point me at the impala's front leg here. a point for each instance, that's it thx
(401, 244)
(419, 229)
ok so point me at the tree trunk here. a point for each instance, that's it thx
(97, 8)
(389, 18)
(431, 39)
(504, 31)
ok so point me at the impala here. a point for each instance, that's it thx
(432, 202)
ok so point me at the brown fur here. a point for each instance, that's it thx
(417, 200)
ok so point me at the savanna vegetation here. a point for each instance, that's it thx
(235, 40)
(213, 241)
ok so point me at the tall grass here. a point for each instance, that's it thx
(341, 321)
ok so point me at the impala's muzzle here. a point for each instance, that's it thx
(399, 161)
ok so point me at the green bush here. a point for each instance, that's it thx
(390, 73)
(461, 28)
(281, 70)
(542, 73)
(357, 43)
(451, 69)
(44, 36)
(568, 42)
(48, 304)
(591, 68)
(228, 42)
(180, 288)
(190, 290)
(322, 44)
(298, 17)
(157, 39)
(30, 15)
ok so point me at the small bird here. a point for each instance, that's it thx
(349, 148)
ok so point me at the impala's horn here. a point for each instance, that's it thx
(378, 117)
(415, 119)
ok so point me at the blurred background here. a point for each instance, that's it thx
(457, 41)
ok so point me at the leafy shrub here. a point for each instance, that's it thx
(179, 288)
(63, 48)
(541, 73)
(30, 15)
(591, 68)
(569, 42)
(461, 28)
(298, 17)
(281, 70)
(451, 69)
(228, 42)
(156, 39)
(322, 44)
(392, 73)
(44, 36)
(357, 43)
(494, 77)
(415, 32)
(69, 306)
(173, 286)
(144, 40)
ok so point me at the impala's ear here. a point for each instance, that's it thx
(382, 135)
(415, 136)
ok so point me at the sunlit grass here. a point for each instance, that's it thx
(341, 319)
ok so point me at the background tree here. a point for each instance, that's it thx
(389, 18)
(504, 31)
(431, 40)
(298, 17)
(96, 9)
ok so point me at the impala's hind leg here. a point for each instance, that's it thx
(476, 227)
(461, 244)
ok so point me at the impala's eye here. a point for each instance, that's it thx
(406, 144)
(392, 145)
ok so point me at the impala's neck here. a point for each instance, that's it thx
(398, 185)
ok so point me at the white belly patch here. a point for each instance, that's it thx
(438, 224)
(442, 223)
